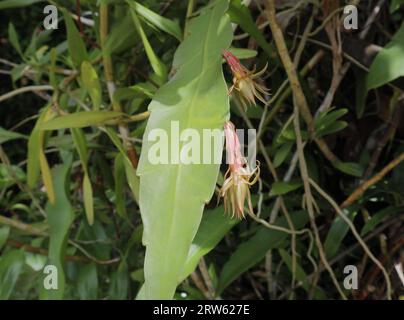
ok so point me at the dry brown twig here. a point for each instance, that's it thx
(41, 251)
(348, 251)
(201, 285)
(340, 74)
(368, 183)
(355, 233)
(301, 106)
(332, 28)
(38, 232)
(17, 91)
(329, 96)
(310, 203)
(206, 277)
(337, 77)
(270, 225)
(294, 82)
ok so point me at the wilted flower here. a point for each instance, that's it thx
(243, 81)
(238, 178)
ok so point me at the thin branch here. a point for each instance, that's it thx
(347, 252)
(355, 233)
(80, 23)
(338, 77)
(18, 91)
(201, 285)
(22, 226)
(309, 200)
(283, 94)
(288, 64)
(368, 183)
(294, 81)
(5, 160)
(35, 231)
(44, 252)
(206, 277)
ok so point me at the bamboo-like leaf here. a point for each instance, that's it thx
(121, 37)
(158, 67)
(13, 36)
(143, 89)
(10, 174)
(88, 199)
(164, 24)
(351, 168)
(46, 176)
(131, 177)
(91, 83)
(379, 217)
(389, 63)
(241, 15)
(172, 196)
(43, 163)
(80, 120)
(119, 176)
(34, 146)
(119, 285)
(6, 135)
(77, 48)
(60, 216)
(332, 128)
(11, 264)
(81, 146)
(329, 117)
(282, 187)
(282, 153)
(80, 142)
(339, 229)
(87, 282)
(117, 142)
(4, 233)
